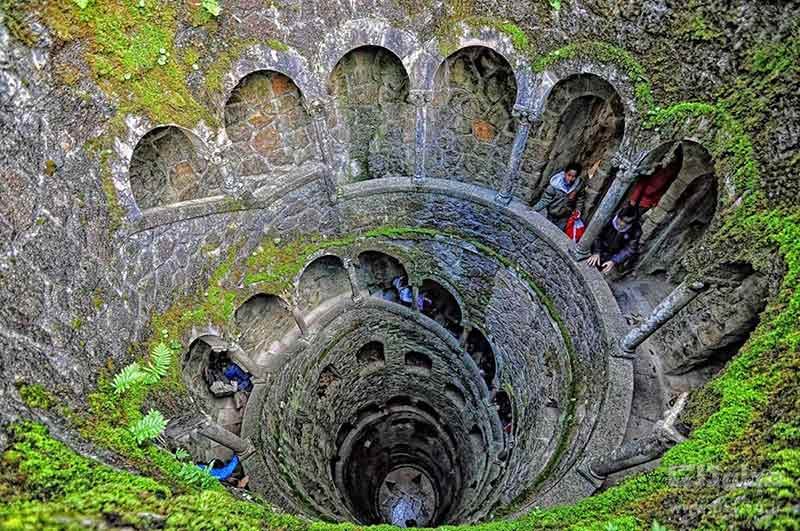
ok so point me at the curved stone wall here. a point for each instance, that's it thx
(551, 324)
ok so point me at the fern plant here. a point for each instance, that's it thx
(148, 427)
(182, 455)
(160, 362)
(128, 377)
(196, 476)
(213, 7)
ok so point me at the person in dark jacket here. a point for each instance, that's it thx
(562, 196)
(618, 242)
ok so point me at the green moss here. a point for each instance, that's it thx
(17, 20)
(36, 396)
(605, 53)
(113, 207)
(277, 45)
(45, 485)
(132, 56)
(215, 72)
(696, 26)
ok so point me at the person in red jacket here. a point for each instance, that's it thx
(647, 191)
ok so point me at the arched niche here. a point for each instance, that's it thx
(473, 130)
(371, 353)
(504, 410)
(441, 306)
(481, 352)
(323, 279)
(377, 271)
(684, 210)
(166, 169)
(268, 126)
(583, 122)
(374, 121)
(419, 362)
(202, 365)
(262, 320)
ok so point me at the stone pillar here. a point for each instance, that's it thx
(415, 294)
(639, 451)
(227, 161)
(316, 109)
(353, 276)
(301, 322)
(610, 203)
(241, 358)
(241, 447)
(421, 100)
(462, 341)
(666, 310)
(526, 118)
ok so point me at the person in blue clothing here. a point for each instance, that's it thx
(618, 242)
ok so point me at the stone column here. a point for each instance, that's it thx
(301, 322)
(611, 201)
(526, 118)
(639, 451)
(353, 277)
(241, 447)
(462, 341)
(666, 310)
(421, 100)
(415, 294)
(228, 162)
(316, 109)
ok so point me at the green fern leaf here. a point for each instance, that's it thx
(195, 476)
(213, 7)
(181, 454)
(160, 361)
(127, 378)
(148, 427)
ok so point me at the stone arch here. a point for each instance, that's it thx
(378, 269)
(362, 32)
(288, 62)
(262, 320)
(322, 279)
(441, 306)
(268, 126)
(504, 409)
(165, 168)
(374, 126)
(684, 211)
(583, 121)
(472, 127)
(482, 353)
(486, 37)
(327, 378)
(419, 362)
(205, 360)
(371, 353)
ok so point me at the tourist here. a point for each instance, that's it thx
(647, 191)
(618, 242)
(563, 196)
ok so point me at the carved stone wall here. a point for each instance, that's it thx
(472, 128)
(374, 122)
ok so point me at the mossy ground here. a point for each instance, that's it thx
(746, 418)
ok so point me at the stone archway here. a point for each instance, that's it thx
(374, 122)
(583, 122)
(268, 127)
(166, 169)
(473, 130)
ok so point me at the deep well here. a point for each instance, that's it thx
(340, 202)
